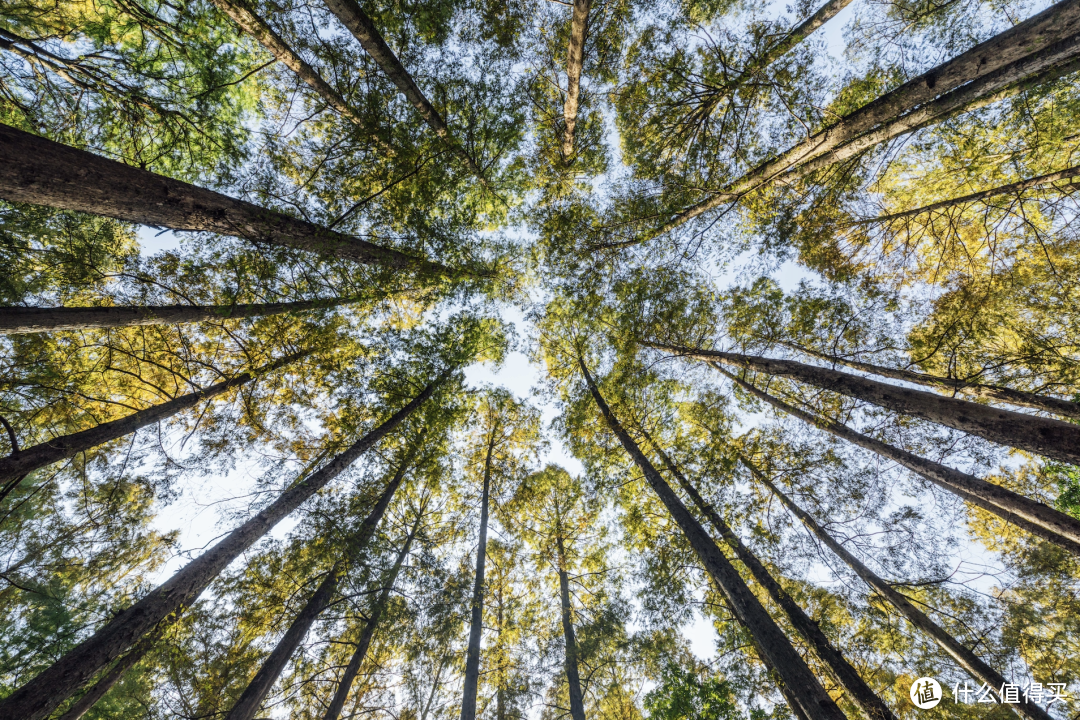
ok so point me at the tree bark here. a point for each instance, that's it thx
(1007, 189)
(965, 658)
(872, 706)
(476, 625)
(43, 172)
(110, 678)
(363, 29)
(573, 676)
(1044, 436)
(253, 25)
(1020, 398)
(333, 712)
(1057, 23)
(1040, 520)
(38, 456)
(801, 687)
(40, 696)
(256, 691)
(575, 57)
(800, 32)
(16, 320)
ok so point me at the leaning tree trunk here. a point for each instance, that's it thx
(337, 704)
(38, 456)
(856, 688)
(1056, 23)
(802, 688)
(41, 695)
(256, 691)
(990, 392)
(1008, 189)
(1038, 519)
(573, 676)
(955, 649)
(43, 172)
(106, 682)
(353, 17)
(476, 626)
(575, 58)
(15, 320)
(1045, 436)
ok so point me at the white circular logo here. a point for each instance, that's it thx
(925, 693)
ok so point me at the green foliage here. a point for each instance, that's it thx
(685, 695)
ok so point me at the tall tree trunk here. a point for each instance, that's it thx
(40, 696)
(38, 456)
(43, 172)
(1008, 189)
(476, 625)
(848, 677)
(1045, 436)
(573, 677)
(802, 689)
(363, 29)
(798, 33)
(15, 320)
(254, 694)
(1057, 23)
(964, 657)
(990, 392)
(333, 711)
(575, 57)
(112, 676)
(1038, 519)
(253, 25)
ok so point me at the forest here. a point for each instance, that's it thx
(540, 359)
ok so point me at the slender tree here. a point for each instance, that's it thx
(15, 320)
(39, 171)
(1038, 519)
(1045, 436)
(802, 688)
(575, 56)
(18, 464)
(970, 662)
(38, 697)
(476, 617)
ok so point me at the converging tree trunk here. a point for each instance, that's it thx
(1057, 23)
(42, 694)
(256, 691)
(965, 658)
(15, 320)
(476, 622)
(337, 704)
(363, 29)
(575, 58)
(43, 172)
(570, 663)
(802, 688)
(1040, 520)
(38, 456)
(106, 682)
(1045, 436)
(856, 688)
(990, 392)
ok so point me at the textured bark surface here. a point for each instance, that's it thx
(476, 621)
(110, 678)
(43, 454)
(256, 691)
(873, 707)
(41, 695)
(1056, 23)
(15, 320)
(990, 392)
(1044, 436)
(43, 172)
(363, 29)
(800, 686)
(974, 665)
(1040, 520)
(570, 661)
(337, 704)
(575, 58)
